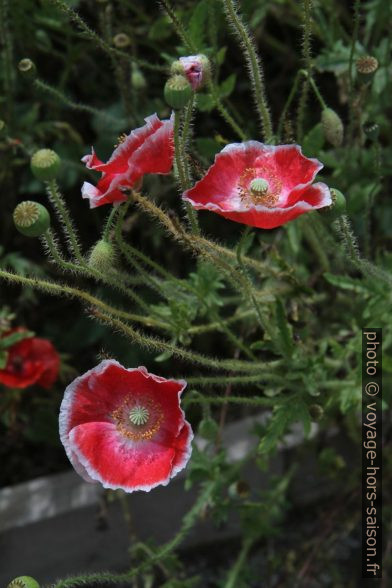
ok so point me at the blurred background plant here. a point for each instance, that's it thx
(81, 73)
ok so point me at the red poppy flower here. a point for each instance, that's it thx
(147, 150)
(124, 427)
(30, 361)
(260, 185)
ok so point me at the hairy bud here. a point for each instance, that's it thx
(196, 68)
(31, 218)
(336, 209)
(332, 127)
(102, 256)
(138, 80)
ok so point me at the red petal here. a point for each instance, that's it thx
(293, 168)
(119, 463)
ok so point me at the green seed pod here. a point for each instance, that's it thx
(138, 80)
(332, 126)
(23, 582)
(316, 412)
(336, 209)
(239, 489)
(366, 67)
(31, 218)
(102, 256)
(27, 69)
(372, 131)
(45, 164)
(177, 92)
(121, 41)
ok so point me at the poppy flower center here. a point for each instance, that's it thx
(138, 421)
(259, 186)
(139, 415)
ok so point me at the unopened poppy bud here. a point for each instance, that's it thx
(23, 582)
(27, 68)
(102, 256)
(366, 67)
(316, 412)
(121, 41)
(177, 92)
(31, 218)
(332, 127)
(208, 428)
(45, 164)
(138, 80)
(372, 131)
(196, 68)
(337, 208)
(239, 489)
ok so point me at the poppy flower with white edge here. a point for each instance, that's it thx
(260, 185)
(29, 361)
(146, 150)
(125, 428)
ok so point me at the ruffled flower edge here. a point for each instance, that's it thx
(78, 460)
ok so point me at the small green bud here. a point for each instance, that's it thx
(332, 127)
(372, 131)
(316, 412)
(366, 67)
(31, 218)
(3, 127)
(23, 582)
(138, 80)
(177, 92)
(27, 69)
(121, 41)
(102, 256)
(336, 209)
(208, 428)
(45, 164)
(239, 489)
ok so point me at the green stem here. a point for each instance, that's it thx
(236, 380)
(179, 155)
(65, 290)
(55, 93)
(255, 68)
(108, 225)
(224, 112)
(314, 241)
(57, 200)
(232, 578)
(307, 60)
(288, 104)
(162, 346)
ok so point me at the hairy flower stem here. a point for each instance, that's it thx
(55, 93)
(184, 354)
(109, 224)
(90, 300)
(307, 61)
(60, 207)
(172, 228)
(180, 157)
(253, 61)
(351, 98)
(224, 112)
(350, 247)
(97, 40)
(237, 380)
